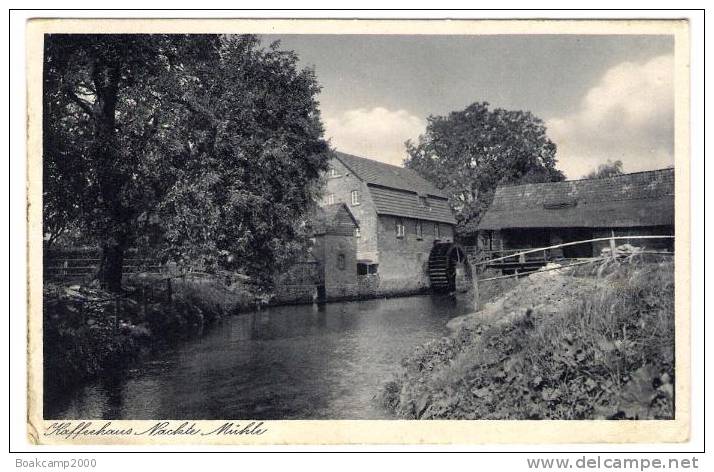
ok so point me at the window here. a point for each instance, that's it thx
(487, 240)
(341, 261)
(365, 268)
(424, 202)
(333, 172)
(400, 229)
(330, 198)
(419, 230)
(358, 233)
(355, 197)
(437, 231)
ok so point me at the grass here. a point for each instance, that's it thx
(600, 347)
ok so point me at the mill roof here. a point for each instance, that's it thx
(397, 190)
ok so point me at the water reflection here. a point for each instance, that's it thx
(296, 362)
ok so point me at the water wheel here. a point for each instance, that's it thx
(443, 259)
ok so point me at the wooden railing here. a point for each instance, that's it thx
(521, 255)
(610, 239)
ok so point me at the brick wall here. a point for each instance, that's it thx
(297, 284)
(404, 261)
(341, 187)
(337, 260)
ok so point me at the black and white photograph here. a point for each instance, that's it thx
(264, 226)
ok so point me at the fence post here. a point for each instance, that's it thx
(116, 315)
(612, 243)
(143, 300)
(474, 280)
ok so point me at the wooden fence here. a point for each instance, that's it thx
(79, 263)
(521, 255)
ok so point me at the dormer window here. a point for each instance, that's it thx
(424, 202)
(332, 172)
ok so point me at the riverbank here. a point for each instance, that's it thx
(89, 332)
(595, 342)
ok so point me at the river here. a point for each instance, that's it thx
(290, 362)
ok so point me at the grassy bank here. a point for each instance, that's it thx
(586, 343)
(89, 332)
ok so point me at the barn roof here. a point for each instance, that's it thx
(628, 200)
(396, 190)
(334, 219)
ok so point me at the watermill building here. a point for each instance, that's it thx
(402, 221)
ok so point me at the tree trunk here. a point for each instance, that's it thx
(111, 266)
(111, 176)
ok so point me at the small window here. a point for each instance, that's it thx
(487, 240)
(331, 199)
(423, 202)
(437, 231)
(341, 261)
(358, 233)
(365, 268)
(333, 172)
(355, 197)
(419, 230)
(400, 229)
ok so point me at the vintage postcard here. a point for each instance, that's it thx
(358, 231)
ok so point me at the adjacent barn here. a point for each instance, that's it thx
(540, 215)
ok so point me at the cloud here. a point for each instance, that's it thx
(628, 115)
(378, 133)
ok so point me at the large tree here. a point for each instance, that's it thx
(213, 140)
(468, 153)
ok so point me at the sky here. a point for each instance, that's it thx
(602, 97)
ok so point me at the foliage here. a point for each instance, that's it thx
(609, 169)
(610, 355)
(208, 148)
(468, 153)
(82, 338)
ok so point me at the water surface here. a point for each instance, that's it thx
(291, 362)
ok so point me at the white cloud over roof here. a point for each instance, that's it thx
(378, 132)
(627, 115)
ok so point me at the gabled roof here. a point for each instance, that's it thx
(400, 203)
(396, 190)
(334, 219)
(387, 175)
(628, 200)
